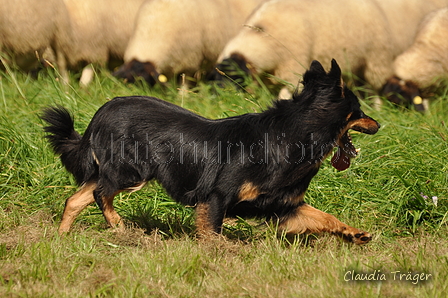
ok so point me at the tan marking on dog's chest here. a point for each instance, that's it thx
(248, 192)
(136, 187)
(297, 199)
(95, 158)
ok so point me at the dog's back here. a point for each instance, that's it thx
(131, 140)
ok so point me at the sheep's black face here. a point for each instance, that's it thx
(235, 69)
(404, 93)
(134, 69)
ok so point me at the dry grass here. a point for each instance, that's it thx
(36, 262)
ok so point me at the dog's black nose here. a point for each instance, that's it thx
(377, 123)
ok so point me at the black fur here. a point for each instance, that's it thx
(134, 139)
(402, 93)
(234, 69)
(135, 69)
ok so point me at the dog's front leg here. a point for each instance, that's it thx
(209, 218)
(307, 219)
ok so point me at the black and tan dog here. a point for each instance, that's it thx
(256, 164)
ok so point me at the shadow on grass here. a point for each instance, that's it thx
(173, 222)
(179, 222)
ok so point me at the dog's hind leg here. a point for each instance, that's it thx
(307, 219)
(75, 204)
(113, 219)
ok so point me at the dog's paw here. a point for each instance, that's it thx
(356, 236)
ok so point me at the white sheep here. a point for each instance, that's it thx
(283, 36)
(404, 18)
(101, 31)
(422, 65)
(426, 60)
(28, 27)
(181, 36)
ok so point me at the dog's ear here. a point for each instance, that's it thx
(336, 74)
(317, 68)
(315, 72)
(335, 70)
(316, 78)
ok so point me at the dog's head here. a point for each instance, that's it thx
(329, 106)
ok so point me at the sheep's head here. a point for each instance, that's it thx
(235, 69)
(135, 69)
(402, 92)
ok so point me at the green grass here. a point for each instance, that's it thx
(387, 191)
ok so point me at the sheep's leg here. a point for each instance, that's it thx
(62, 65)
(288, 71)
(86, 76)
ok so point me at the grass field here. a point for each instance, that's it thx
(397, 189)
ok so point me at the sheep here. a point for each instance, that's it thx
(422, 65)
(283, 36)
(181, 36)
(101, 31)
(28, 27)
(404, 18)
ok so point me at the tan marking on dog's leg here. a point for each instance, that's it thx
(248, 192)
(75, 204)
(311, 220)
(204, 225)
(113, 219)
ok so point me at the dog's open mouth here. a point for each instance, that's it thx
(345, 152)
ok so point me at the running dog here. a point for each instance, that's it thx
(257, 164)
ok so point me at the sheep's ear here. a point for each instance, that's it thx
(336, 75)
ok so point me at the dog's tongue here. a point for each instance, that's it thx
(340, 160)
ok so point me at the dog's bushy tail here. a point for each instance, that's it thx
(65, 140)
